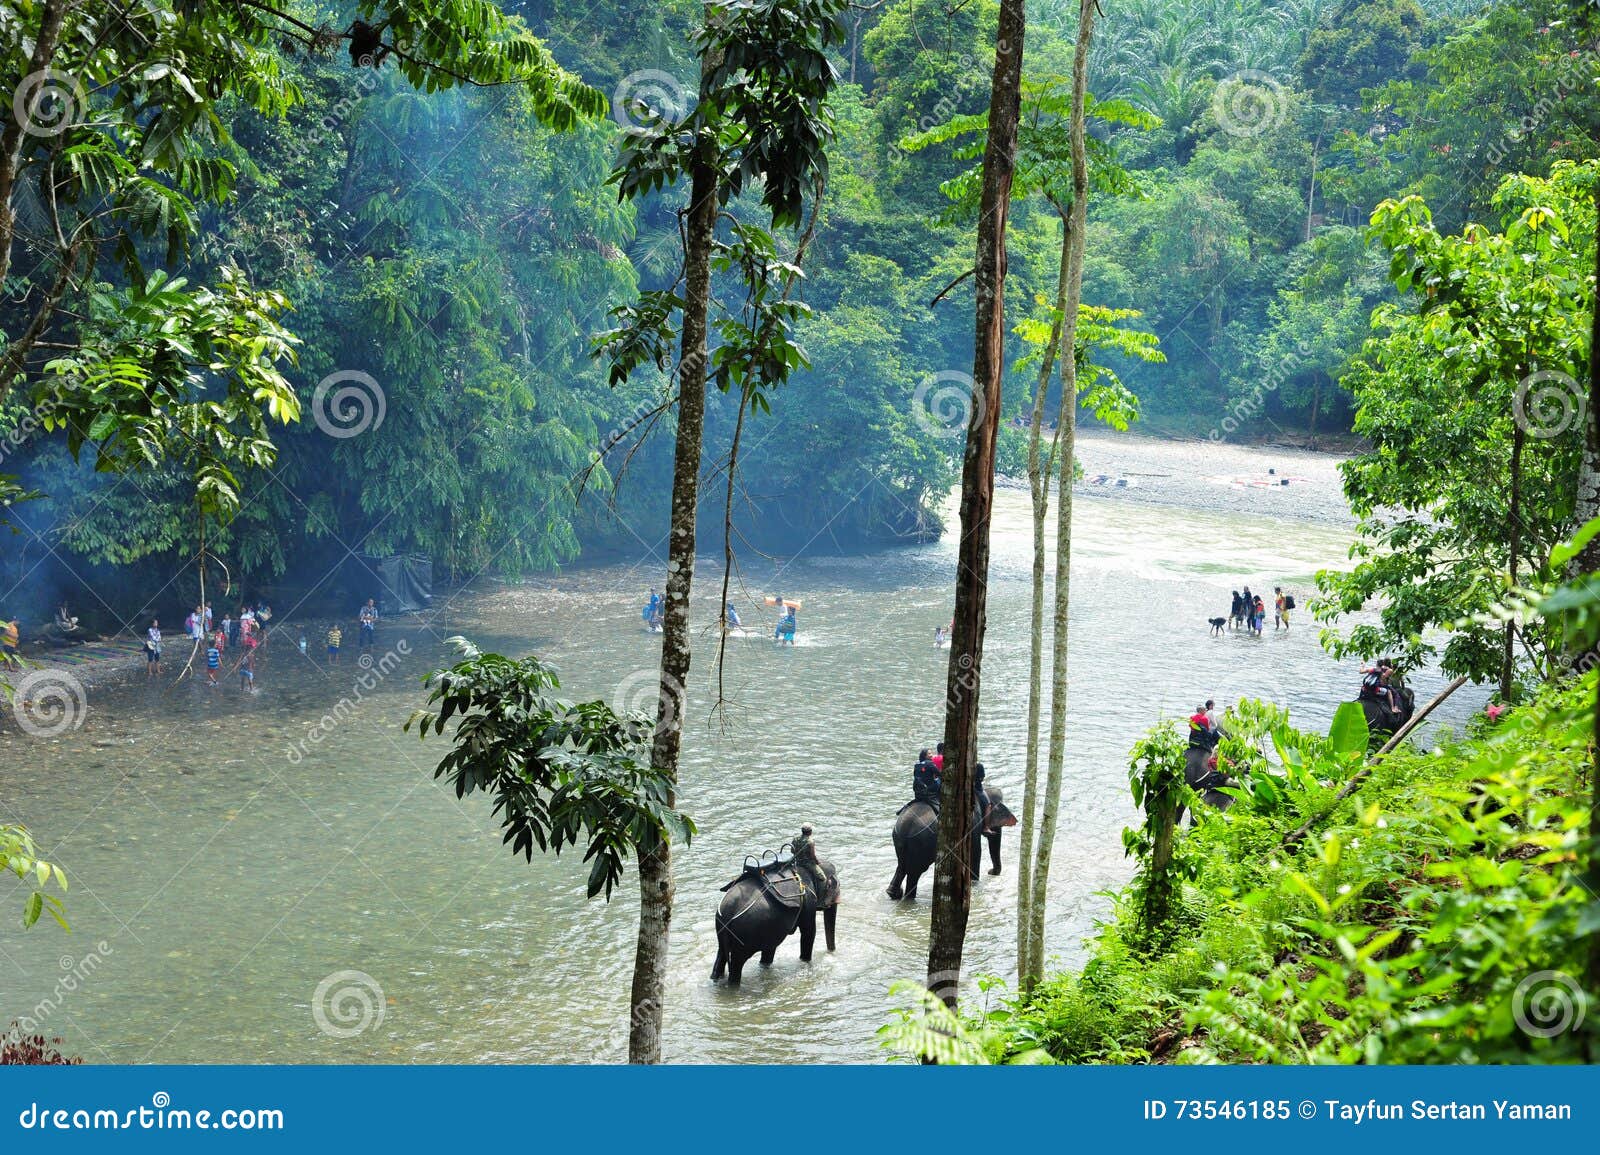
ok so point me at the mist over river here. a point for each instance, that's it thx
(235, 851)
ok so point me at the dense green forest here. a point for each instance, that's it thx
(446, 257)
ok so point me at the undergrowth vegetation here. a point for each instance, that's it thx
(1436, 914)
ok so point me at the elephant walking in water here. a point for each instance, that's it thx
(764, 906)
(916, 841)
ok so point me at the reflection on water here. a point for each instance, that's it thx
(234, 851)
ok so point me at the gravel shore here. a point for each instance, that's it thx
(1212, 476)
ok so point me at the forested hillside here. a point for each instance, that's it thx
(446, 259)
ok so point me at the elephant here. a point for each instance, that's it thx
(1197, 771)
(1380, 718)
(916, 840)
(764, 906)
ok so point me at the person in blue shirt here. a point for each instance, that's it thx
(733, 617)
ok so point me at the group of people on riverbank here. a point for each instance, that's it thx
(1248, 611)
(245, 634)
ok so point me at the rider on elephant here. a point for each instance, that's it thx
(980, 801)
(925, 781)
(803, 853)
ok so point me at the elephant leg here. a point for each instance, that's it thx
(975, 855)
(720, 967)
(768, 955)
(830, 918)
(736, 961)
(895, 891)
(911, 885)
(993, 837)
(808, 935)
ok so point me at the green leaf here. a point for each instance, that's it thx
(1348, 733)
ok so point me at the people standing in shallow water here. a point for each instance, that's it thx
(1236, 612)
(1260, 616)
(152, 650)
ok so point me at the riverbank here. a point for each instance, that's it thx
(1421, 919)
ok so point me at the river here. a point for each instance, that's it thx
(234, 852)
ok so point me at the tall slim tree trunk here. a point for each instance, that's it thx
(1587, 562)
(655, 866)
(952, 881)
(1066, 460)
(1039, 487)
(1587, 506)
(1508, 656)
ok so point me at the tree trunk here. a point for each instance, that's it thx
(655, 866)
(1587, 506)
(12, 140)
(952, 881)
(1066, 432)
(1039, 487)
(1508, 657)
(1316, 404)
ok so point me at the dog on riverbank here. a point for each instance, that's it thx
(1217, 626)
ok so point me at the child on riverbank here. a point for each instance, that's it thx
(247, 673)
(335, 636)
(213, 663)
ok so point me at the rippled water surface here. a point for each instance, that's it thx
(231, 863)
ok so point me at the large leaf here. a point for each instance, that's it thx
(1348, 735)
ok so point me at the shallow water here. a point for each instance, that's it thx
(234, 852)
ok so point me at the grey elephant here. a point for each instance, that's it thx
(765, 905)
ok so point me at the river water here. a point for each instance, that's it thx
(235, 852)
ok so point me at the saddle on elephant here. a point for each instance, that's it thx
(787, 883)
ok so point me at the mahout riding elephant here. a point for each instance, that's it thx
(765, 905)
(1381, 719)
(916, 841)
(1199, 774)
